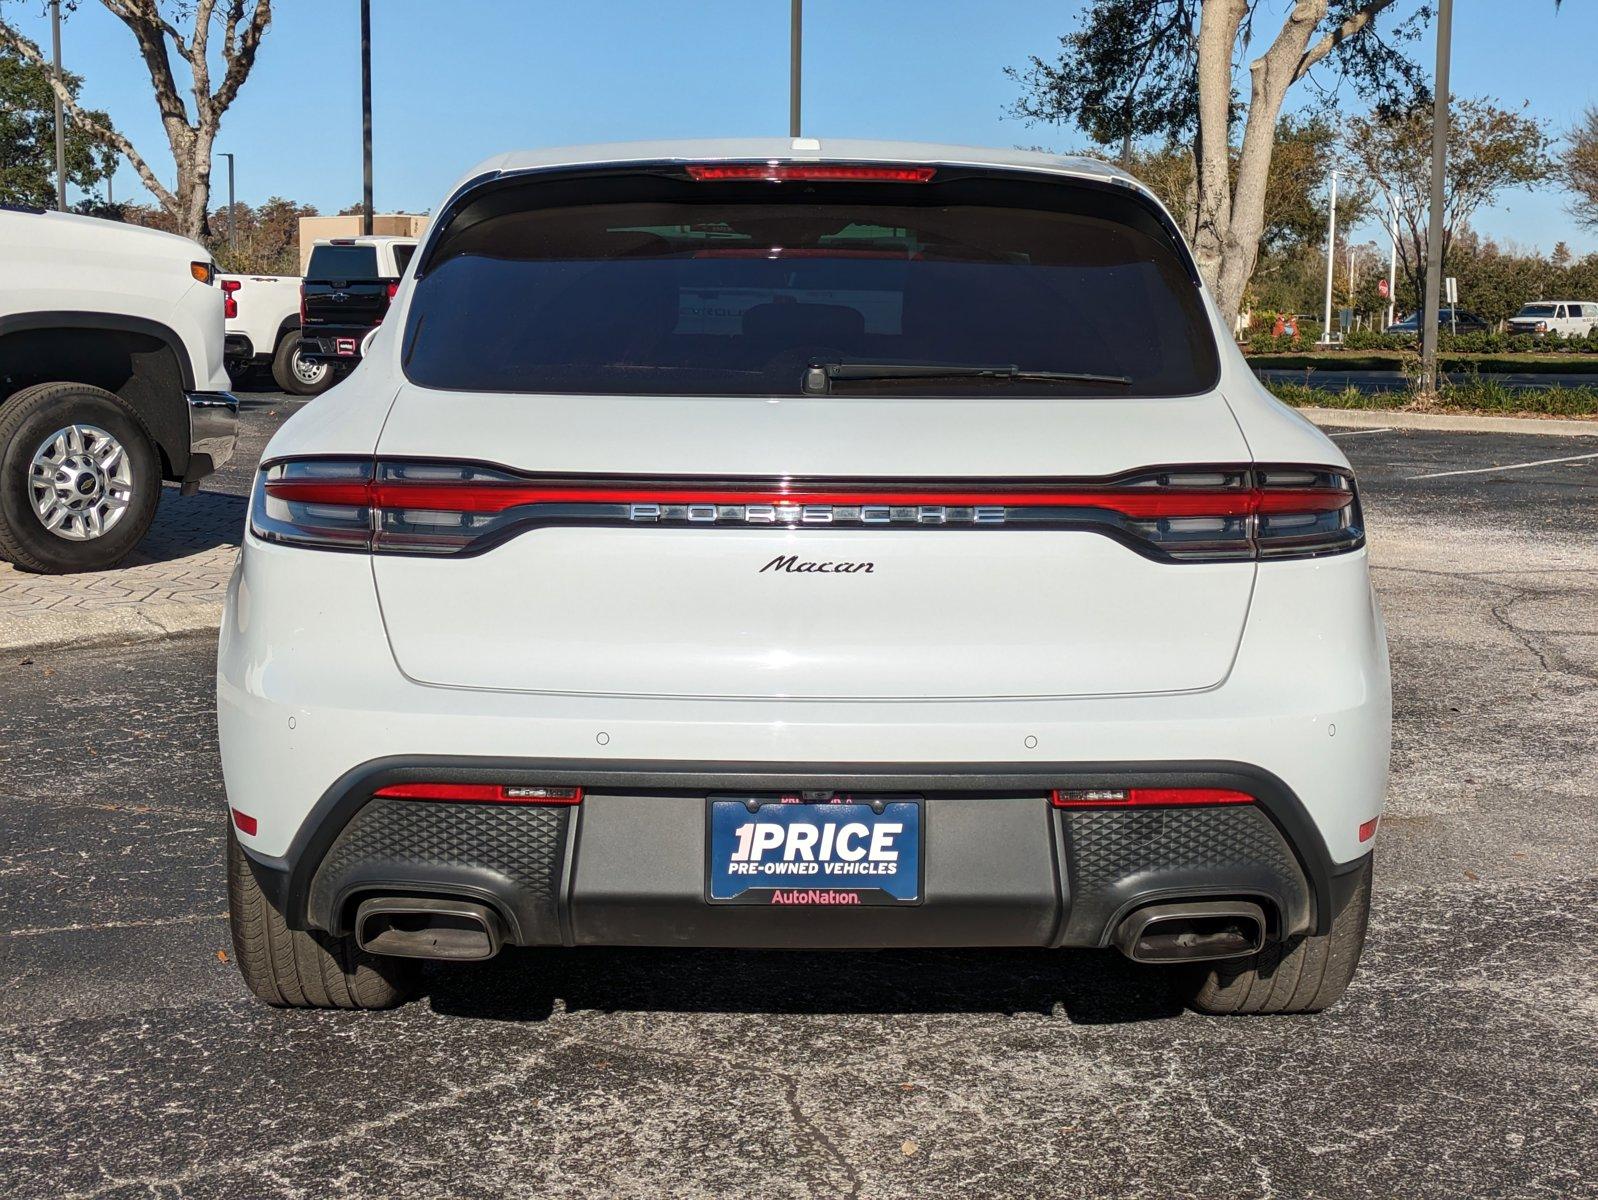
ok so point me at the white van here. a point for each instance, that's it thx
(1567, 318)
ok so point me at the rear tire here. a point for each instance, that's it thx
(1302, 975)
(296, 375)
(53, 437)
(295, 968)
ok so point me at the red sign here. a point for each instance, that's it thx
(1381, 288)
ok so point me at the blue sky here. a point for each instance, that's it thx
(459, 80)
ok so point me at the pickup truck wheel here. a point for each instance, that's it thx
(79, 479)
(297, 968)
(295, 374)
(1303, 975)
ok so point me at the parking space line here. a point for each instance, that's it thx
(1542, 462)
(1360, 432)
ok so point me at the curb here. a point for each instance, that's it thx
(1376, 418)
(28, 633)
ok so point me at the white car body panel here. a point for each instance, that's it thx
(266, 303)
(60, 262)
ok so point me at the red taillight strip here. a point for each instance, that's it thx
(496, 497)
(483, 793)
(1145, 797)
(808, 172)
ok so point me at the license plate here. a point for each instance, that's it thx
(831, 854)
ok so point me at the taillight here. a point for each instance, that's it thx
(483, 793)
(770, 172)
(1145, 797)
(1191, 514)
(230, 302)
(393, 288)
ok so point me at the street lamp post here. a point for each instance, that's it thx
(1392, 266)
(366, 117)
(1434, 231)
(1331, 263)
(60, 116)
(796, 30)
(232, 210)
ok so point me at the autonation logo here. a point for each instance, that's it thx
(814, 896)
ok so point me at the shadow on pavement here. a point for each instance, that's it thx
(1091, 987)
(185, 526)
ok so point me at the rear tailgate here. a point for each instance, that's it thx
(942, 612)
(694, 329)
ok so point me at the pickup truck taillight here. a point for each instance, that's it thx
(1176, 514)
(230, 302)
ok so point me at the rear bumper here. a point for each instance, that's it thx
(334, 343)
(627, 866)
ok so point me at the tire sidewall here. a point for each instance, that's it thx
(39, 548)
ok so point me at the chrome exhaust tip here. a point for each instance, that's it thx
(424, 927)
(1192, 931)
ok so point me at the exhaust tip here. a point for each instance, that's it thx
(1194, 931)
(421, 927)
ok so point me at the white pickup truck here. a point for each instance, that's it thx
(263, 330)
(111, 380)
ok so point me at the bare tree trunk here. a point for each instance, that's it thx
(1218, 29)
(1230, 217)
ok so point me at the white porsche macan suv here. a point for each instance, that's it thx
(802, 543)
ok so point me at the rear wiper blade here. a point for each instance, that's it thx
(820, 376)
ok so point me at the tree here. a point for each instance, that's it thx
(1490, 149)
(190, 134)
(27, 137)
(1578, 167)
(1165, 68)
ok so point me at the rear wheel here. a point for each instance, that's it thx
(1302, 975)
(79, 479)
(295, 373)
(295, 968)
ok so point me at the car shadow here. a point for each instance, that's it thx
(1090, 987)
(185, 526)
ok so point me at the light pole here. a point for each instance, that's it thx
(1392, 266)
(1434, 231)
(796, 37)
(366, 117)
(232, 210)
(1331, 263)
(60, 116)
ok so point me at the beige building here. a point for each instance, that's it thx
(314, 229)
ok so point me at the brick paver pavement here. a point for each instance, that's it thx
(185, 560)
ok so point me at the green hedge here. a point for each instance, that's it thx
(1448, 343)
(1479, 396)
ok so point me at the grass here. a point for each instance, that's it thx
(1395, 360)
(1475, 396)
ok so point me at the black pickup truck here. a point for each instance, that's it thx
(345, 294)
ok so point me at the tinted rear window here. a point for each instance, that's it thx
(652, 284)
(342, 262)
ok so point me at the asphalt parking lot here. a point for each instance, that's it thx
(1463, 1061)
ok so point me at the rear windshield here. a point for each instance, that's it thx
(342, 262)
(655, 284)
(1536, 310)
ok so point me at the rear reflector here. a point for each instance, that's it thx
(483, 793)
(808, 173)
(1368, 829)
(244, 823)
(1145, 797)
